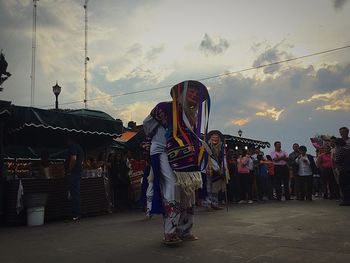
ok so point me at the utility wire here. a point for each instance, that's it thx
(275, 63)
(216, 76)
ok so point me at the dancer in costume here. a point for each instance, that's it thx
(176, 154)
(147, 191)
(217, 174)
(147, 180)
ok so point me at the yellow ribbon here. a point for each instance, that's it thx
(175, 120)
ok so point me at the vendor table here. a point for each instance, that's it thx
(58, 207)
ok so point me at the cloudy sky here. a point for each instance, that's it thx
(138, 49)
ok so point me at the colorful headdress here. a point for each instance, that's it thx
(185, 147)
(179, 106)
(178, 89)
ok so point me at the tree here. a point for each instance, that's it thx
(4, 75)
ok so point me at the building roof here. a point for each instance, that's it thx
(29, 126)
(126, 136)
(247, 141)
(131, 138)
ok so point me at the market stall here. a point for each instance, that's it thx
(132, 141)
(34, 151)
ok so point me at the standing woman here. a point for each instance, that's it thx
(324, 163)
(245, 178)
(176, 154)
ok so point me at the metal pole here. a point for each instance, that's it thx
(56, 104)
(86, 55)
(32, 76)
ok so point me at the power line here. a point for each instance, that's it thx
(275, 63)
(81, 101)
(219, 75)
(116, 95)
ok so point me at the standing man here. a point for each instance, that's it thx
(280, 159)
(293, 167)
(344, 134)
(74, 168)
(342, 161)
(120, 182)
(176, 154)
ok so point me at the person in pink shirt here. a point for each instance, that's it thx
(325, 165)
(245, 178)
(280, 159)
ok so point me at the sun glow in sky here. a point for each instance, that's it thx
(152, 44)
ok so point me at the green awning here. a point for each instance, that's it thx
(29, 126)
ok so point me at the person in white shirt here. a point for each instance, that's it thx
(305, 163)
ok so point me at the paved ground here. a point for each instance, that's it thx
(291, 231)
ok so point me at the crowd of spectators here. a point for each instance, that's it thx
(256, 177)
(278, 176)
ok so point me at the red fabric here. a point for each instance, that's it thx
(136, 173)
(270, 167)
(325, 160)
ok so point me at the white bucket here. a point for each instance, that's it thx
(35, 216)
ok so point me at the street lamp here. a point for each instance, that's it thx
(240, 132)
(56, 90)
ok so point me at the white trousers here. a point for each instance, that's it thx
(149, 196)
(178, 215)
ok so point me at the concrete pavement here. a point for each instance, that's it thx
(288, 231)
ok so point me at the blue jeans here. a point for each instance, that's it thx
(74, 188)
(282, 177)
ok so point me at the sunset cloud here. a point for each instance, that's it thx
(336, 100)
(144, 49)
(340, 104)
(328, 96)
(240, 121)
(273, 113)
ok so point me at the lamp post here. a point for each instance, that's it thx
(240, 132)
(56, 90)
